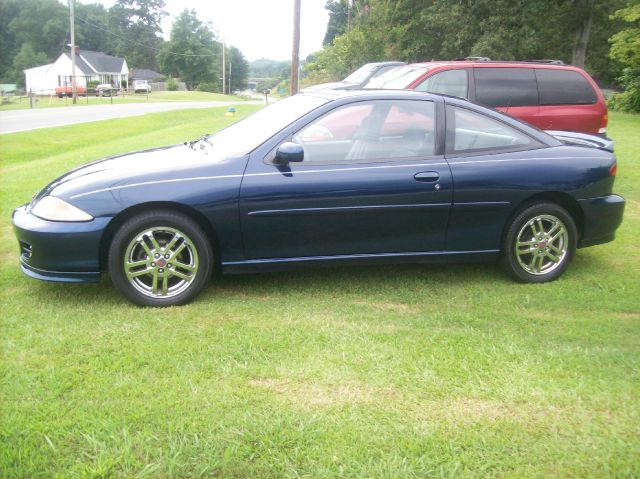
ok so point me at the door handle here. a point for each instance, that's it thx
(427, 176)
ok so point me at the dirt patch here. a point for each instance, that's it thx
(307, 395)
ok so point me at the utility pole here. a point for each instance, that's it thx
(74, 88)
(295, 54)
(224, 65)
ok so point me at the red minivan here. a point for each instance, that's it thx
(547, 94)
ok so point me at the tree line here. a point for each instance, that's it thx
(36, 32)
(587, 33)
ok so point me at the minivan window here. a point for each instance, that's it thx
(448, 82)
(506, 87)
(564, 87)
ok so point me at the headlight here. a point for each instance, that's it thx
(54, 209)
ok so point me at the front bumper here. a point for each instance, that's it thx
(602, 216)
(58, 251)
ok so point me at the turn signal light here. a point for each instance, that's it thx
(613, 171)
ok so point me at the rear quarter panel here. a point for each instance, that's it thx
(490, 189)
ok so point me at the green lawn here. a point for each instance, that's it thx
(443, 371)
(22, 103)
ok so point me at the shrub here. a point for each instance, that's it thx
(172, 85)
(207, 86)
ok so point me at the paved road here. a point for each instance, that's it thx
(12, 121)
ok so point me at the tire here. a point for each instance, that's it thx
(539, 243)
(160, 258)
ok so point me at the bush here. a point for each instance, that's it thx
(172, 85)
(628, 100)
(92, 84)
(207, 86)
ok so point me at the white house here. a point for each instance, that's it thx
(90, 66)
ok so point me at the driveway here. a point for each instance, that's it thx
(12, 121)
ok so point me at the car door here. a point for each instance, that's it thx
(373, 181)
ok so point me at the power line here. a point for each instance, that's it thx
(144, 45)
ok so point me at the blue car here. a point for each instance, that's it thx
(327, 178)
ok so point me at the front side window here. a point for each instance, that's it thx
(371, 131)
(506, 87)
(448, 82)
(474, 132)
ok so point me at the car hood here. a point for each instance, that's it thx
(157, 164)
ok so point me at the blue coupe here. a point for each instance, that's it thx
(323, 178)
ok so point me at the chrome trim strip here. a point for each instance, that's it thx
(294, 211)
(354, 256)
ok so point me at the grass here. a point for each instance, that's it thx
(22, 103)
(405, 371)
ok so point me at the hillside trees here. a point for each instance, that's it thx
(414, 30)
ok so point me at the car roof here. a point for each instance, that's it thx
(331, 95)
(496, 63)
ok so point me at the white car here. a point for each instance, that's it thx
(141, 86)
(106, 89)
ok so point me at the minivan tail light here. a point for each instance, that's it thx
(613, 171)
(603, 124)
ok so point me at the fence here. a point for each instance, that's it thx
(42, 98)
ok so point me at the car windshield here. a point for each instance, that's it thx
(398, 79)
(360, 74)
(246, 135)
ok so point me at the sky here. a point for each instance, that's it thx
(259, 28)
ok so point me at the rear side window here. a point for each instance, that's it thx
(469, 131)
(448, 82)
(564, 87)
(506, 87)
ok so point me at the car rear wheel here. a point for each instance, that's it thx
(160, 258)
(540, 243)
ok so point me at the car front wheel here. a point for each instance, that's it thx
(160, 258)
(540, 243)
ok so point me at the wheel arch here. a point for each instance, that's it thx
(118, 220)
(562, 199)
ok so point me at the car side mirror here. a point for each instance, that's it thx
(289, 152)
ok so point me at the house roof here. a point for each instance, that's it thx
(101, 62)
(81, 65)
(144, 74)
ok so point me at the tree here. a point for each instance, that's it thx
(338, 19)
(42, 23)
(27, 58)
(191, 52)
(92, 28)
(415, 30)
(625, 48)
(237, 69)
(137, 26)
